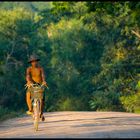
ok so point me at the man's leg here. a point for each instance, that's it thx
(28, 100)
(42, 108)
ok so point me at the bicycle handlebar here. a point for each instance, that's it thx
(32, 85)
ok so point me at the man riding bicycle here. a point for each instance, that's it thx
(34, 74)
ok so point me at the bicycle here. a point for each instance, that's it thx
(36, 91)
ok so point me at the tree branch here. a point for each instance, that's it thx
(137, 34)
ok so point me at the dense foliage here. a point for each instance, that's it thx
(88, 50)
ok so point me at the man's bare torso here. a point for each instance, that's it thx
(35, 74)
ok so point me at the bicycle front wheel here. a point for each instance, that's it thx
(36, 115)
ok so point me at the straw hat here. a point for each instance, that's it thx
(33, 58)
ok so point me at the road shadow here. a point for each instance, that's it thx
(66, 120)
(126, 117)
(56, 115)
(130, 133)
(105, 118)
(16, 125)
(104, 124)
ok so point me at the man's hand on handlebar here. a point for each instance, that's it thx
(45, 84)
(29, 83)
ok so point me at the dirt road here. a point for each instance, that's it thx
(75, 125)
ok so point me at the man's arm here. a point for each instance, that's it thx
(28, 79)
(43, 74)
(43, 77)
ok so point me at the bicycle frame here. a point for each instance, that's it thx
(36, 98)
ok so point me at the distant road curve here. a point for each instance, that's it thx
(70, 124)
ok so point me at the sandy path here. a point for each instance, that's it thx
(75, 125)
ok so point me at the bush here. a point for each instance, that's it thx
(105, 101)
(6, 113)
(65, 104)
(73, 104)
(3, 111)
(131, 103)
